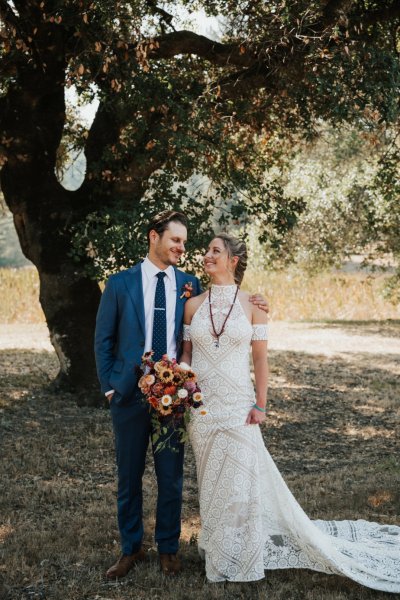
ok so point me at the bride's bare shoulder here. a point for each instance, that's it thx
(196, 299)
(244, 297)
(193, 303)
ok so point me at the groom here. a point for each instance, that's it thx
(142, 309)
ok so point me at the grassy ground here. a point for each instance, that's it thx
(333, 430)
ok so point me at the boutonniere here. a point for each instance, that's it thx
(187, 290)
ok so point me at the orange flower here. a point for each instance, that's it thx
(144, 385)
(153, 401)
(170, 389)
(149, 379)
(187, 290)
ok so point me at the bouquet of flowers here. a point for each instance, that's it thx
(171, 390)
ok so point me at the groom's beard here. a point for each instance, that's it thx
(169, 258)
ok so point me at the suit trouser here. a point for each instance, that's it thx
(132, 429)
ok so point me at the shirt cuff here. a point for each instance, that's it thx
(109, 392)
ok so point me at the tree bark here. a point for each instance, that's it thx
(70, 304)
(32, 120)
(69, 301)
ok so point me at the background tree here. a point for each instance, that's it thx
(348, 178)
(174, 106)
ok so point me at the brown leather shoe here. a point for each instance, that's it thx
(170, 564)
(124, 564)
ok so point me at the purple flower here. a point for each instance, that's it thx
(190, 386)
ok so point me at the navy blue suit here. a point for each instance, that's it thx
(119, 345)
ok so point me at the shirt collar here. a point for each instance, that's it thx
(151, 270)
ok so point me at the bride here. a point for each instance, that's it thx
(250, 521)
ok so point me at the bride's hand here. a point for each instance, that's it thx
(255, 417)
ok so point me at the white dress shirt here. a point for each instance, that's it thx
(149, 279)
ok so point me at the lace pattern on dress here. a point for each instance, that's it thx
(260, 333)
(250, 520)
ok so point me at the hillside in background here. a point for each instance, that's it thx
(10, 251)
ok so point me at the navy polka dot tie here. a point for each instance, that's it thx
(159, 344)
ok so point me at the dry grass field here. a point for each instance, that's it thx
(292, 296)
(332, 428)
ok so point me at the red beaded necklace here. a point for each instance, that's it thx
(215, 333)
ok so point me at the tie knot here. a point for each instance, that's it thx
(161, 275)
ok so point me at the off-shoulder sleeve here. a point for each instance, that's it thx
(186, 333)
(260, 333)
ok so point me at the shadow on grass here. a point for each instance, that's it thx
(330, 428)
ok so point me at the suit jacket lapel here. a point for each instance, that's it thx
(134, 284)
(180, 302)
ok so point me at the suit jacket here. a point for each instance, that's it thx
(120, 329)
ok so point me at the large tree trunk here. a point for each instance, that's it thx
(70, 304)
(32, 119)
(32, 116)
(69, 300)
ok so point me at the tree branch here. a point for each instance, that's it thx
(336, 11)
(187, 42)
(389, 13)
(8, 15)
(339, 11)
(15, 21)
(104, 131)
(157, 10)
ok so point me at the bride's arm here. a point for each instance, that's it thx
(186, 355)
(260, 362)
(191, 306)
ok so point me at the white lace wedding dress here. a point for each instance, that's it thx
(250, 521)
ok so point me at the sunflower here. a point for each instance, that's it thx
(190, 376)
(177, 379)
(166, 375)
(159, 366)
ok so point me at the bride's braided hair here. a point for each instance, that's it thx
(235, 247)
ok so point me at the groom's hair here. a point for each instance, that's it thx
(160, 222)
